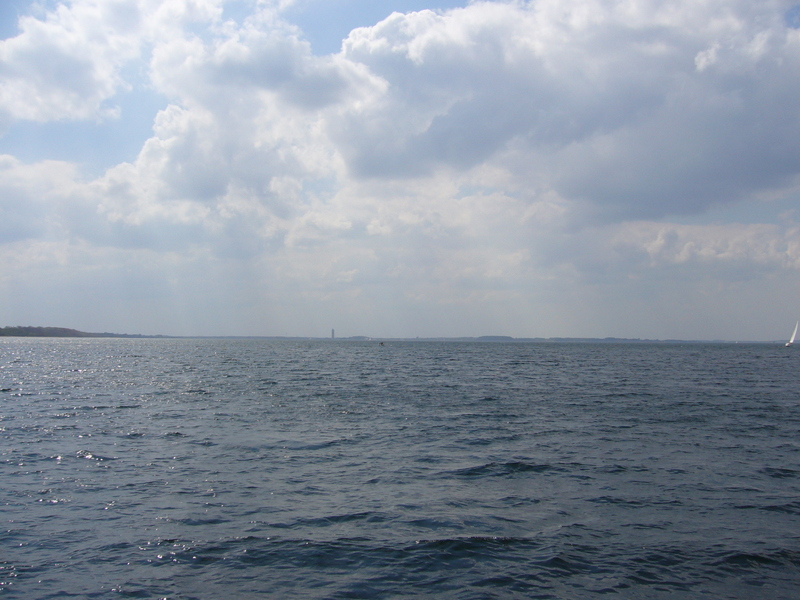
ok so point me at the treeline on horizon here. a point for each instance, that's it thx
(29, 331)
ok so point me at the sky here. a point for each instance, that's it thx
(552, 168)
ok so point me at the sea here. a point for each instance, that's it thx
(257, 468)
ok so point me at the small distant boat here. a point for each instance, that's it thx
(794, 335)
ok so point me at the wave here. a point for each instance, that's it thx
(494, 469)
(473, 566)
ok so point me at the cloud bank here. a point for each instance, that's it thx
(539, 168)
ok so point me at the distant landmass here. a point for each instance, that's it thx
(63, 332)
(29, 331)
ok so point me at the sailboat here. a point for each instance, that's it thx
(794, 334)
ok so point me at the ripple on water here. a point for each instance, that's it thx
(193, 469)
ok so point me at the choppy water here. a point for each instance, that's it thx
(223, 469)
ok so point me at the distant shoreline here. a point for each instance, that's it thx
(63, 332)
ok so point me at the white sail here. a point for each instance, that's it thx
(794, 335)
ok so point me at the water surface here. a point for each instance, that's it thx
(208, 469)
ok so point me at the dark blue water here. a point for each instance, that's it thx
(224, 469)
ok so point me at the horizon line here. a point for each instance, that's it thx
(63, 332)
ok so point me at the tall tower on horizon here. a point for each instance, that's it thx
(333, 334)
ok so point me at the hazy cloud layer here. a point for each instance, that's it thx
(525, 168)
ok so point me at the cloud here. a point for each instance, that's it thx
(638, 109)
(629, 110)
(68, 64)
(489, 159)
(736, 248)
(32, 198)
